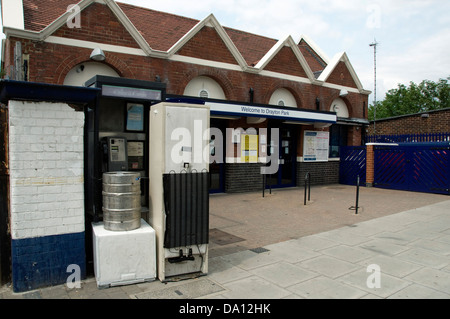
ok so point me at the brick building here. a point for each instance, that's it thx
(437, 121)
(253, 85)
(188, 55)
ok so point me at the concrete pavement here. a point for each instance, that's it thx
(398, 246)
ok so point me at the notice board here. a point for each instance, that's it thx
(316, 146)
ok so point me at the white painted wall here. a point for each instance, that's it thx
(46, 169)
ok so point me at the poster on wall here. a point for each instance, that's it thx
(135, 117)
(249, 148)
(316, 146)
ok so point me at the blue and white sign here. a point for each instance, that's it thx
(271, 112)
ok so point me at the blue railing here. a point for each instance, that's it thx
(409, 138)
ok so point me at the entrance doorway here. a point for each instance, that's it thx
(216, 169)
(287, 146)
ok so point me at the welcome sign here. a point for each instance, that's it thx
(271, 112)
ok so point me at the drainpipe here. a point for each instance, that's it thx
(252, 94)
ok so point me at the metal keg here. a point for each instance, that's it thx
(121, 201)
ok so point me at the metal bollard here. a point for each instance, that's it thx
(307, 186)
(264, 184)
(357, 197)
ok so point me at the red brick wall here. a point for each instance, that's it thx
(341, 76)
(207, 45)
(287, 63)
(437, 122)
(99, 25)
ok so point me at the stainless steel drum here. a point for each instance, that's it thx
(121, 201)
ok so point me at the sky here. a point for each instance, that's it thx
(413, 36)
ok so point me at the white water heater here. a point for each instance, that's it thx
(179, 187)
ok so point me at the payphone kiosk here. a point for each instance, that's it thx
(117, 135)
(116, 140)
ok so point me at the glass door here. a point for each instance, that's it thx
(287, 147)
(217, 168)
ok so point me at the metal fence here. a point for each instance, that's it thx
(409, 138)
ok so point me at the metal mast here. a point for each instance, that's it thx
(374, 45)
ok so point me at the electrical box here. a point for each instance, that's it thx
(179, 188)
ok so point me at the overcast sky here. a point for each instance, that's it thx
(413, 35)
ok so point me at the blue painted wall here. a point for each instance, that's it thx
(43, 261)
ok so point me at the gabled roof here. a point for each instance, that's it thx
(252, 47)
(338, 58)
(316, 58)
(162, 35)
(289, 42)
(170, 32)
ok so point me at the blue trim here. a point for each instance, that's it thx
(30, 91)
(43, 261)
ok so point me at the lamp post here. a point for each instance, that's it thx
(374, 45)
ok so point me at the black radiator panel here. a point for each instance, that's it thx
(186, 200)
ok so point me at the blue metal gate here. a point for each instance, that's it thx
(421, 167)
(352, 165)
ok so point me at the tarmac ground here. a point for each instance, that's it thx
(275, 247)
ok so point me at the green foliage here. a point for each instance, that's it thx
(426, 96)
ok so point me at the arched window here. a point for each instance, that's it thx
(282, 97)
(86, 71)
(339, 107)
(204, 87)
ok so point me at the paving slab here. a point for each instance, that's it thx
(425, 258)
(292, 251)
(348, 253)
(193, 289)
(415, 291)
(254, 287)
(391, 265)
(283, 274)
(383, 247)
(222, 271)
(432, 278)
(325, 288)
(388, 284)
(328, 266)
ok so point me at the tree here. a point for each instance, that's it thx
(426, 96)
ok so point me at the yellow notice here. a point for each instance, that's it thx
(249, 148)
